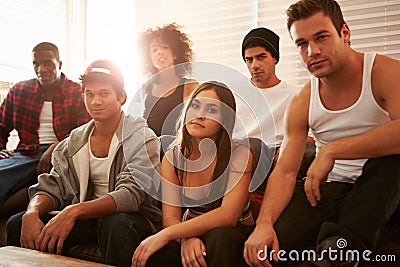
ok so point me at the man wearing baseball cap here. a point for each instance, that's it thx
(91, 194)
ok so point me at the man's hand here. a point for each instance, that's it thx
(56, 231)
(317, 174)
(30, 230)
(4, 153)
(44, 165)
(263, 236)
(193, 252)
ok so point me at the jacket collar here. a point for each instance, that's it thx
(126, 128)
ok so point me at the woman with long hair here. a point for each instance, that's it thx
(166, 56)
(206, 215)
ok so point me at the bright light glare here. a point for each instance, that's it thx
(110, 34)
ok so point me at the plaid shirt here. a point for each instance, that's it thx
(23, 104)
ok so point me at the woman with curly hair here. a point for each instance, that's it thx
(167, 54)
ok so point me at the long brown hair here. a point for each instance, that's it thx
(223, 140)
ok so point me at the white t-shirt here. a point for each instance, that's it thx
(46, 130)
(264, 118)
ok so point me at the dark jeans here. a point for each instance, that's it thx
(117, 234)
(18, 171)
(355, 212)
(224, 247)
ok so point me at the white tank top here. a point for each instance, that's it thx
(46, 131)
(99, 168)
(329, 125)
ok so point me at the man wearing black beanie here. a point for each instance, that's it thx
(260, 51)
(262, 37)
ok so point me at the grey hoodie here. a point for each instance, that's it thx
(68, 181)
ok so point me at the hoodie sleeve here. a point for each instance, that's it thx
(57, 184)
(141, 153)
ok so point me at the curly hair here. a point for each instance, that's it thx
(178, 42)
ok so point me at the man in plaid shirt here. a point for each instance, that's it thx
(43, 111)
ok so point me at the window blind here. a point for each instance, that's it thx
(216, 28)
(23, 24)
(374, 26)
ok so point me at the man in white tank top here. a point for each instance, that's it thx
(94, 185)
(353, 185)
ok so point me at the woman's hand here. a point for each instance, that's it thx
(148, 247)
(193, 252)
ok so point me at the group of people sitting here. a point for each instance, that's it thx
(96, 176)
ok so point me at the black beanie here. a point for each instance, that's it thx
(265, 38)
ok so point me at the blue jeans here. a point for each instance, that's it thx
(18, 171)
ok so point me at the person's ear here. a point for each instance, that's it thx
(122, 97)
(346, 33)
(59, 65)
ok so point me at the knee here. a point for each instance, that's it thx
(384, 165)
(119, 226)
(223, 240)
(13, 229)
(116, 222)
(387, 170)
(110, 222)
(224, 247)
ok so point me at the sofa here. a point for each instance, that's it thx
(19, 202)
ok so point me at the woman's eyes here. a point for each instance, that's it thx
(212, 110)
(209, 110)
(154, 49)
(195, 106)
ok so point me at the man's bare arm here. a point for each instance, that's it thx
(281, 182)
